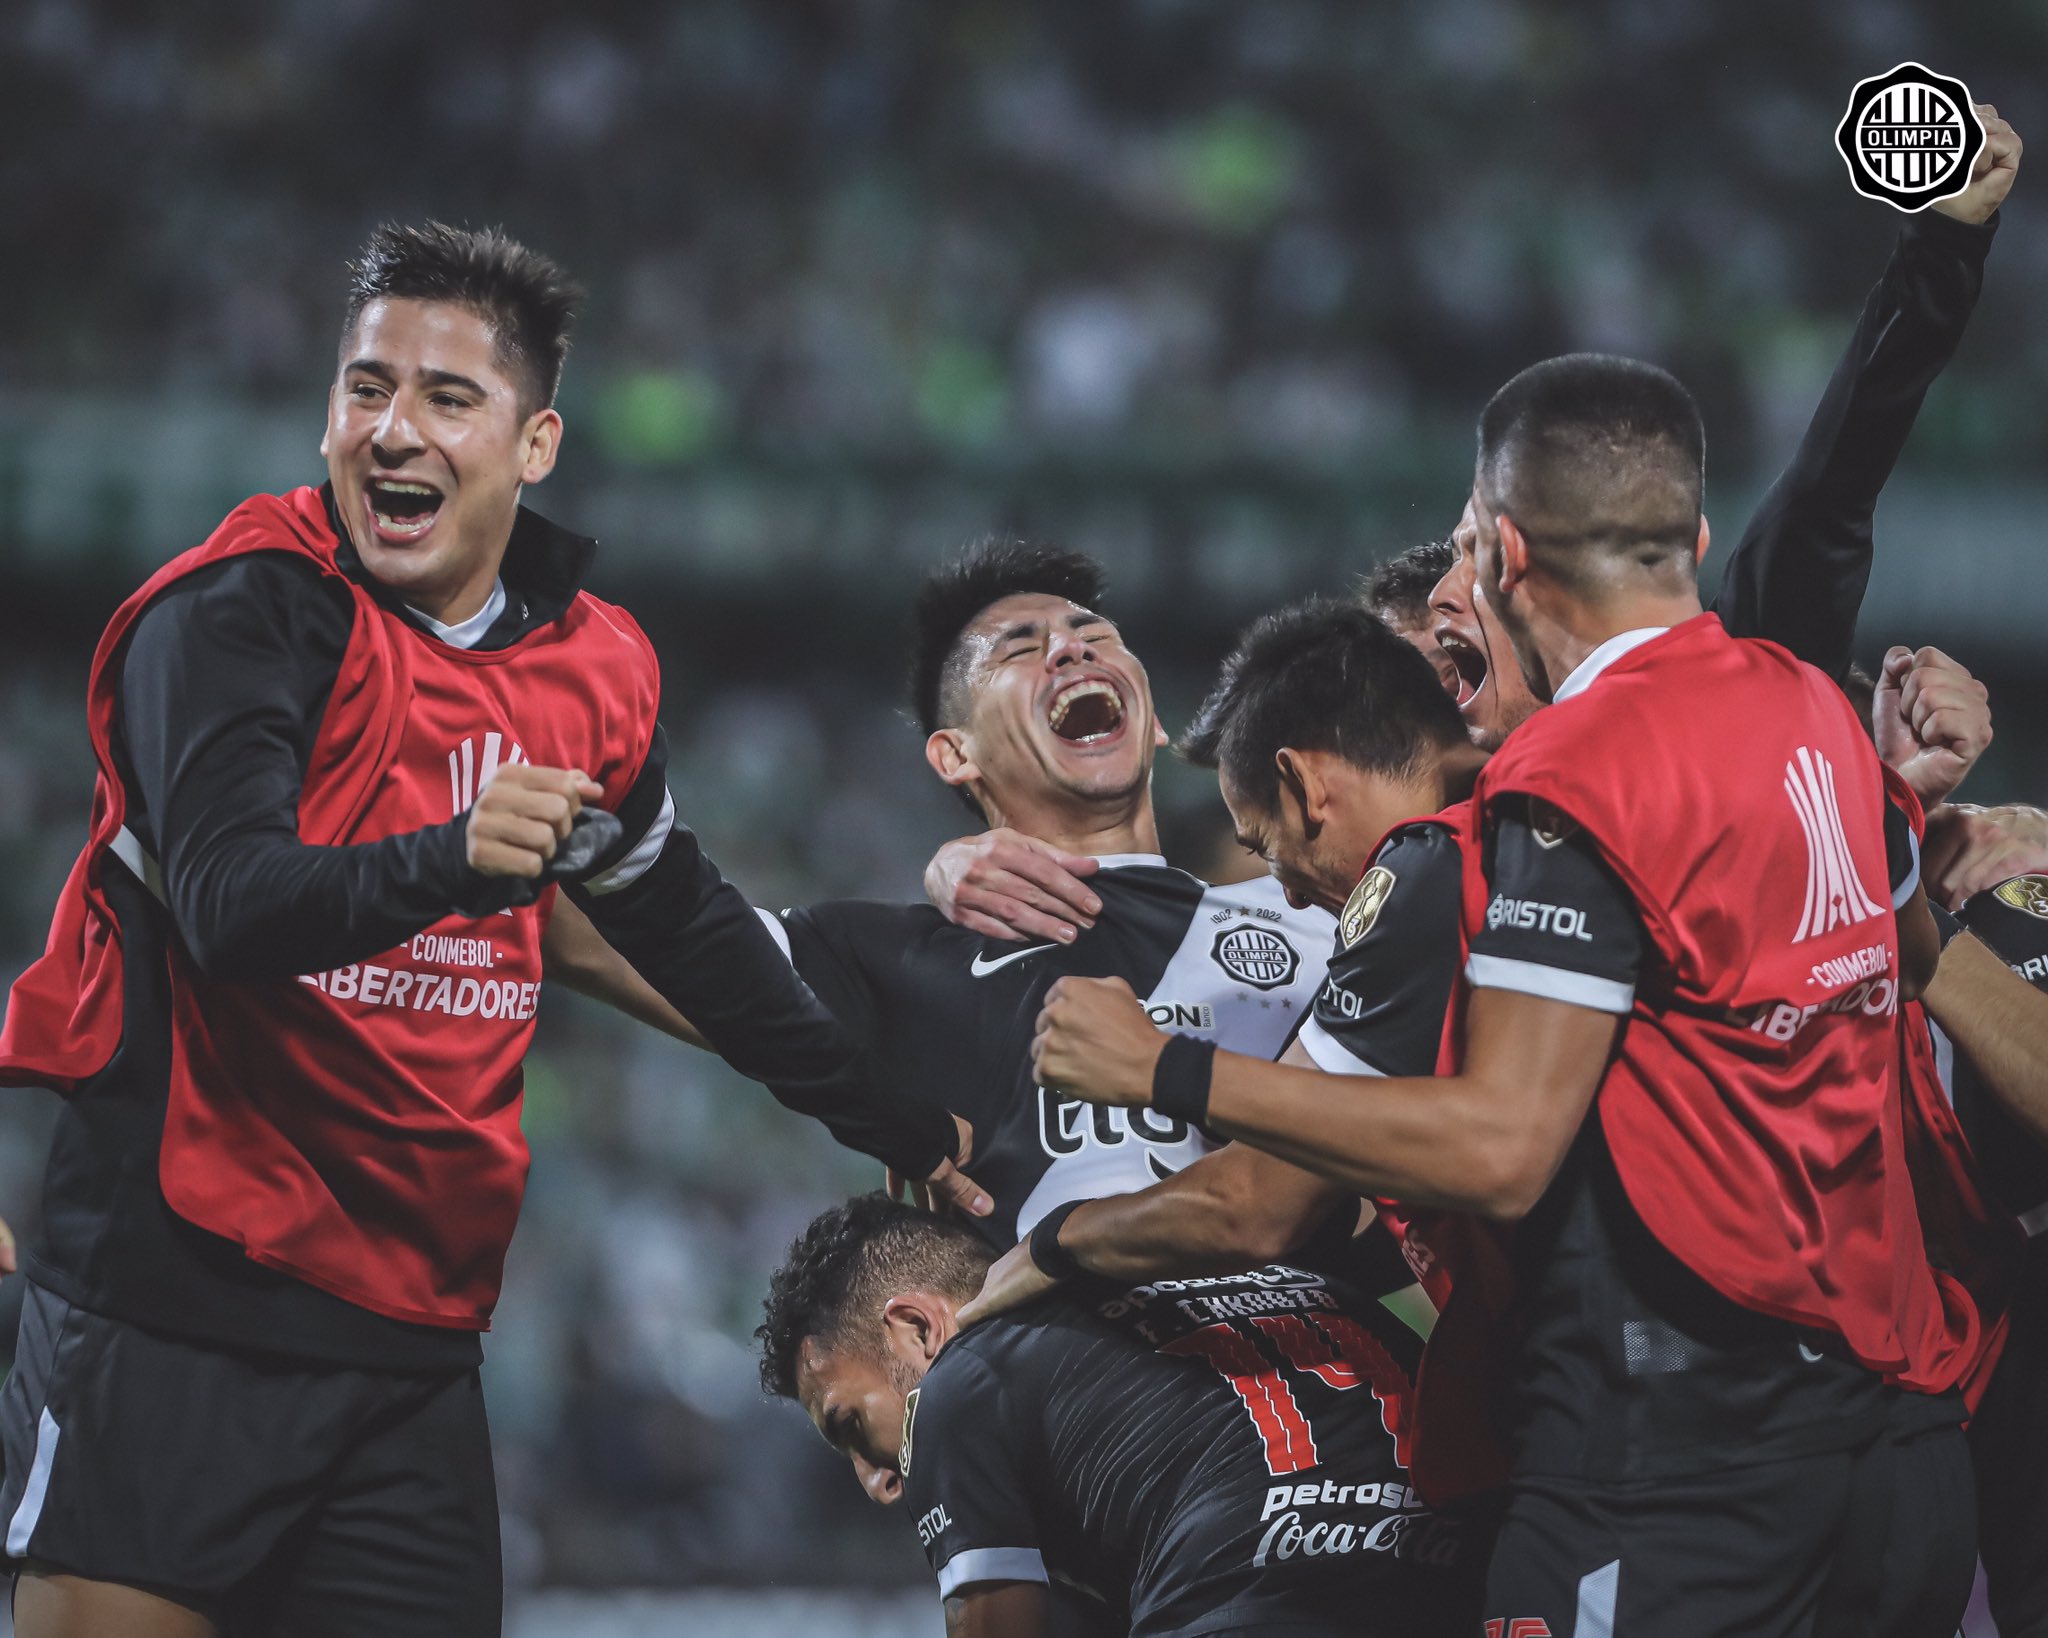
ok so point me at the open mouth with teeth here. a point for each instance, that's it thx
(1468, 658)
(1086, 713)
(402, 510)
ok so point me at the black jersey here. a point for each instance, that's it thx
(2009, 1434)
(1381, 1009)
(951, 1015)
(2012, 918)
(1630, 1365)
(1204, 1455)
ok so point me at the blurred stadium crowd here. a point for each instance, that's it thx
(1212, 291)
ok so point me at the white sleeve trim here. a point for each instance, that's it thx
(1488, 972)
(1905, 889)
(776, 931)
(990, 1564)
(645, 851)
(1332, 1056)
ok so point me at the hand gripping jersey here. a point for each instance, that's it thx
(1220, 1454)
(356, 1129)
(950, 1016)
(1752, 1108)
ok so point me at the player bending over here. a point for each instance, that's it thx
(1199, 1457)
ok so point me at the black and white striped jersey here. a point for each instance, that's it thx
(950, 1015)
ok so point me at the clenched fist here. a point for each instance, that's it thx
(1095, 1041)
(1931, 720)
(1992, 177)
(522, 815)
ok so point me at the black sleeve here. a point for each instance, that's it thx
(222, 686)
(1559, 923)
(1799, 574)
(1381, 1009)
(2013, 919)
(963, 1481)
(703, 946)
(825, 947)
(1901, 855)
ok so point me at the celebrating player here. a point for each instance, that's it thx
(1040, 715)
(1617, 867)
(346, 748)
(1203, 1456)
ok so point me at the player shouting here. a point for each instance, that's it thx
(1633, 854)
(344, 747)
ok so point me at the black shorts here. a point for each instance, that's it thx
(2009, 1442)
(1879, 1542)
(269, 1494)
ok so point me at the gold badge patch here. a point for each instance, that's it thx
(1550, 824)
(909, 1420)
(2028, 893)
(1362, 909)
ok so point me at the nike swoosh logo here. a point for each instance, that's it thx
(981, 966)
(1809, 1355)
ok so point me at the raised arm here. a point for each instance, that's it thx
(1799, 574)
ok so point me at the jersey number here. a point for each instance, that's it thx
(1337, 1351)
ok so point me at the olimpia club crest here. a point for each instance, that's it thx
(1910, 137)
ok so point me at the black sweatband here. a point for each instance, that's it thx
(1052, 1259)
(1180, 1079)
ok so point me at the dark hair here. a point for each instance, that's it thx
(1598, 460)
(1321, 676)
(956, 592)
(849, 1262)
(1398, 589)
(527, 300)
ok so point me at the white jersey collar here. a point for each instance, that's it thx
(468, 633)
(1115, 861)
(1587, 671)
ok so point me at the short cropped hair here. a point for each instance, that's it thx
(1321, 675)
(528, 301)
(846, 1265)
(1398, 589)
(1599, 460)
(954, 595)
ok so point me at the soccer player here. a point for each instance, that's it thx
(1799, 574)
(1199, 1457)
(1036, 711)
(347, 750)
(1690, 841)
(1399, 592)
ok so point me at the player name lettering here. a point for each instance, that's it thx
(1532, 916)
(449, 950)
(374, 986)
(1244, 1304)
(1867, 962)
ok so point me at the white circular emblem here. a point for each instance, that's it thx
(1256, 956)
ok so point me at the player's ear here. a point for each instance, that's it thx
(1699, 550)
(1514, 552)
(946, 750)
(1301, 782)
(543, 436)
(912, 1327)
(1159, 735)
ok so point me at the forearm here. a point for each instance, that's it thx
(693, 937)
(1228, 1211)
(1444, 1141)
(1799, 574)
(1999, 1022)
(1002, 1609)
(576, 956)
(262, 904)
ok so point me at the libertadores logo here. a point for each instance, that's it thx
(1910, 137)
(1834, 895)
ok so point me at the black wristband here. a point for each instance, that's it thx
(1052, 1259)
(1180, 1079)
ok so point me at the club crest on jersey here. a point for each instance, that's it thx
(1257, 956)
(1550, 825)
(909, 1422)
(471, 764)
(2028, 893)
(1362, 909)
(1834, 894)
